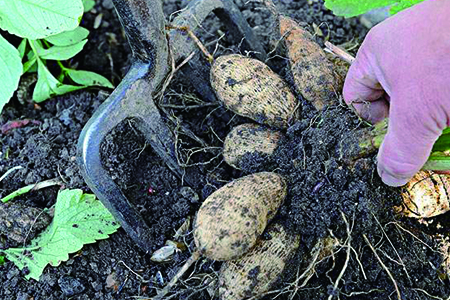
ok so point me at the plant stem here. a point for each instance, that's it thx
(370, 141)
(26, 189)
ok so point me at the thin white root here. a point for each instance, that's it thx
(399, 296)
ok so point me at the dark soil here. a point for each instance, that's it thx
(324, 190)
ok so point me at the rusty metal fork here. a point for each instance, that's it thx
(153, 49)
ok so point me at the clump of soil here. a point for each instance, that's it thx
(328, 197)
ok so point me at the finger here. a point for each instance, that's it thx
(408, 142)
(374, 111)
(363, 90)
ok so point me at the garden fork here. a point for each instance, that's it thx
(154, 48)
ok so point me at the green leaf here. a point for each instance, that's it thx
(79, 219)
(22, 48)
(88, 78)
(403, 4)
(45, 85)
(438, 161)
(2, 260)
(48, 86)
(28, 66)
(351, 8)
(67, 88)
(68, 38)
(61, 52)
(443, 142)
(88, 5)
(11, 70)
(37, 19)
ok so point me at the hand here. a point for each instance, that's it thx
(402, 70)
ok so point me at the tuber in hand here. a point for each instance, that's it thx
(402, 70)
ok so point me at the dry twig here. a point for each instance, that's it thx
(342, 54)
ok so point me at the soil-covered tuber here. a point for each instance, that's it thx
(313, 73)
(250, 143)
(254, 273)
(426, 195)
(249, 88)
(232, 218)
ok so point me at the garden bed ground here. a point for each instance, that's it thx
(322, 188)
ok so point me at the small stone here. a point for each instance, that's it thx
(189, 194)
(48, 279)
(97, 286)
(20, 223)
(111, 281)
(22, 296)
(104, 246)
(70, 286)
(12, 273)
(94, 267)
(107, 4)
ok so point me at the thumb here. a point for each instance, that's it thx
(408, 143)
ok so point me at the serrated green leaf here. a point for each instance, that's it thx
(88, 78)
(37, 19)
(88, 5)
(11, 70)
(61, 52)
(2, 260)
(68, 38)
(79, 219)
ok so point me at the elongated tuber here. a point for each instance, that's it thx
(251, 89)
(250, 142)
(232, 218)
(254, 273)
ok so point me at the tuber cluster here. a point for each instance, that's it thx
(230, 222)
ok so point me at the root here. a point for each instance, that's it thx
(347, 259)
(196, 40)
(31, 187)
(414, 236)
(395, 250)
(194, 257)
(399, 296)
(10, 171)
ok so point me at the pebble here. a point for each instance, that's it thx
(22, 296)
(94, 267)
(104, 246)
(189, 194)
(107, 4)
(97, 286)
(70, 286)
(12, 273)
(49, 279)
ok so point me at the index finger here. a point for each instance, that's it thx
(363, 91)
